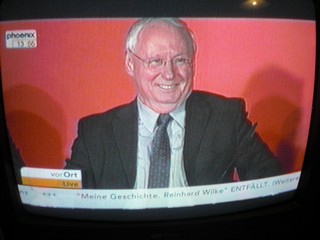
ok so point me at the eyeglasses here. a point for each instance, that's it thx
(156, 64)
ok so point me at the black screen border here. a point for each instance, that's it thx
(48, 9)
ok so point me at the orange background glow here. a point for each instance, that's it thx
(77, 69)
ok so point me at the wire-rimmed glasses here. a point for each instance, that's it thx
(156, 64)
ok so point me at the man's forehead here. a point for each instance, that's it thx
(158, 31)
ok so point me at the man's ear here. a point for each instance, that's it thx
(129, 64)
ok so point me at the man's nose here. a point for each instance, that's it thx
(168, 71)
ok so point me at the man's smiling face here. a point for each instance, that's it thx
(162, 88)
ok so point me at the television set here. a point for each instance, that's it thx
(62, 61)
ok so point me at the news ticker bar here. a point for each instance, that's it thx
(157, 198)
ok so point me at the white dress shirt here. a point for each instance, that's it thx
(146, 131)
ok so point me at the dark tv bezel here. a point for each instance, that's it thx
(289, 217)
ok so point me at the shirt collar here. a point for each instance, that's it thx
(179, 114)
(149, 117)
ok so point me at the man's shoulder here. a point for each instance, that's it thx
(109, 115)
(215, 101)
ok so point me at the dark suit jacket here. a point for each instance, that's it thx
(218, 139)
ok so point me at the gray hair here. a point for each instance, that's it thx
(136, 29)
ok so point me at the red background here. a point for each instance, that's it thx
(77, 69)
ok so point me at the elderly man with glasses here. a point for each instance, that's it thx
(170, 135)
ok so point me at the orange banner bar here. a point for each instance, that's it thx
(41, 182)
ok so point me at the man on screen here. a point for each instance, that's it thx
(170, 135)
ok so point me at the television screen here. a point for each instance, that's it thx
(136, 116)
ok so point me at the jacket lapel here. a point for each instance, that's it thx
(197, 118)
(125, 129)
